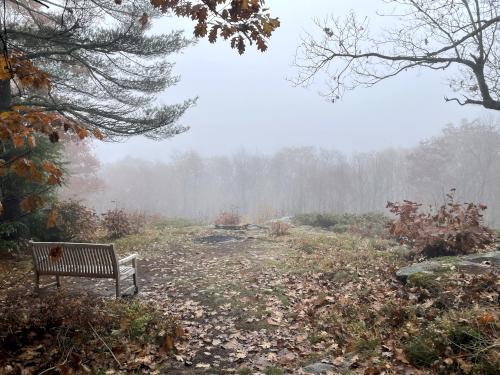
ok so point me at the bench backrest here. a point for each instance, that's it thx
(74, 259)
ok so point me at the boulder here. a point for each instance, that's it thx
(425, 267)
(474, 264)
(492, 257)
(472, 267)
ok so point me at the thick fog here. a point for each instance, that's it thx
(262, 147)
(302, 180)
(246, 102)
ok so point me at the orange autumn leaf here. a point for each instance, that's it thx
(52, 180)
(21, 167)
(4, 69)
(168, 344)
(486, 319)
(51, 219)
(31, 203)
(82, 133)
(97, 133)
(51, 168)
(56, 253)
(179, 330)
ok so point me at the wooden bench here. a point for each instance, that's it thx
(83, 260)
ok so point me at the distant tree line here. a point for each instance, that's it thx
(303, 180)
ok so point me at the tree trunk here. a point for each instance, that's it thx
(5, 95)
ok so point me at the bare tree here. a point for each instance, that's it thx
(459, 36)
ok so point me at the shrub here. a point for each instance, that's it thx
(75, 222)
(453, 229)
(117, 224)
(227, 218)
(369, 224)
(280, 228)
(137, 222)
(318, 220)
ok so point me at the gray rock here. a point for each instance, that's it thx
(472, 267)
(426, 267)
(319, 368)
(492, 257)
(475, 264)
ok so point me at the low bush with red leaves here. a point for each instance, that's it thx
(452, 229)
(119, 223)
(75, 222)
(228, 218)
(280, 228)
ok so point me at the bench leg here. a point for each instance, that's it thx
(58, 281)
(136, 282)
(136, 289)
(118, 287)
(37, 282)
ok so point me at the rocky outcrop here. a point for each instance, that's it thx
(475, 264)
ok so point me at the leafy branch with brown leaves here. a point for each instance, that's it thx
(240, 21)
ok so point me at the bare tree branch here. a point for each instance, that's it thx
(453, 35)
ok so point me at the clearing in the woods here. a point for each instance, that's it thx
(246, 302)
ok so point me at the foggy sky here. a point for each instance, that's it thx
(245, 102)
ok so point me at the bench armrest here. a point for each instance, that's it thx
(130, 258)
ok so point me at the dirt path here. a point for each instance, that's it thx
(230, 299)
(225, 288)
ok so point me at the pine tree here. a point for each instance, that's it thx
(105, 70)
(16, 221)
(89, 67)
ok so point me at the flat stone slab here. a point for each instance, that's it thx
(426, 267)
(474, 263)
(492, 257)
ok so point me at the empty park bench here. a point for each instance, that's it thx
(82, 260)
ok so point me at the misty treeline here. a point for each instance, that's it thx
(304, 180)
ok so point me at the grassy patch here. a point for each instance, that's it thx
(425, 280)
(272, 370)
(162, 224)
(244, 371)
(370, 224)
(420, 351)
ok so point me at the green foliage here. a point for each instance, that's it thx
(420, 351)
(467, 338)
(367, 345)
(272, 370)
(425, 281)
(135, 320)
(163, 223)
(364, 224)
(244, 371)
(16, 224)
